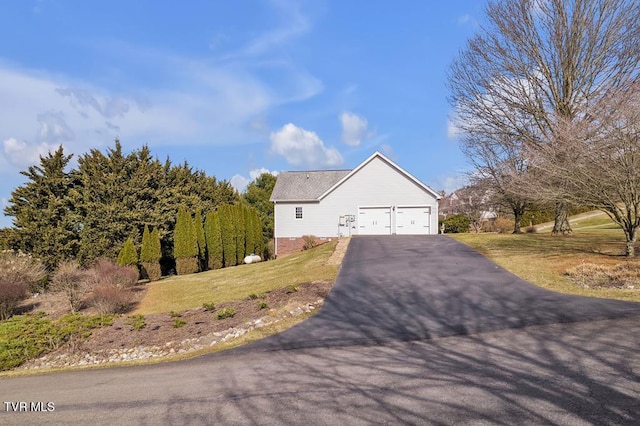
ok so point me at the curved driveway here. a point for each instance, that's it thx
(406, 288)
(576, 362)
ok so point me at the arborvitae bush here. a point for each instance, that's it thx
(185, 248)
(153, 268)
(227, 231)
(128, 256)
(249, 237)
(200, 240)
(238, 215)
(150, 254)
(214, 240)
(257, 232)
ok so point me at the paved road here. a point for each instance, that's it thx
(417, 330)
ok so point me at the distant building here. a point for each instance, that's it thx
(469, 201)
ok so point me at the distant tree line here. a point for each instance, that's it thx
(115, 205)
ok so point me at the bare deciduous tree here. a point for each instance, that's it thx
(598, 162)
(499, 168)
(541, 62)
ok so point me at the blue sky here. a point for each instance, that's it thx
(233, 87)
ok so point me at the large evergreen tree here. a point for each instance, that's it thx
(90, 212)
(46, 222)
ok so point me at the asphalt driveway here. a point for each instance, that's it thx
(406, 288)
(577, 362)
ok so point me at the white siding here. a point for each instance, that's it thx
(377, 184)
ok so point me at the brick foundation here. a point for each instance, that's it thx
(292, 245)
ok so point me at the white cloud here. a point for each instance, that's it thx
(301, 147)
(240, 182)
(22, 154)
(453, 131)
(354, 128)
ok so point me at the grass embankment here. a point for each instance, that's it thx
(179, 293)
(543, 259)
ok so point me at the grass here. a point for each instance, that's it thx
(180, 293)
(543, 259)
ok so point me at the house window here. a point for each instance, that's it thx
(298, 212)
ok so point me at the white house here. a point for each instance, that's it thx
(376, 198)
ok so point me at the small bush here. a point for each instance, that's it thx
(18, 274)
(105, 272)
(531, 230)
(137, 322)
(253, 296)
(291, 289)
(503, 225)
(226, 313)
(456, 224)
(179, 322)
(174, 314)
(109, 299)
(263, 305)
(72, 281)
(209, 306)
(309, 242)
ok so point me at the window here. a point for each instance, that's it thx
(298, 212)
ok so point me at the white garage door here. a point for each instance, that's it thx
(413, 220)
(374, 220)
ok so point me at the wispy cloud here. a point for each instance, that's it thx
(354, 128)
(293, 25)
(467, 19)
(215, 102)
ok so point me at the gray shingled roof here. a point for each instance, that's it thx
(305, 186)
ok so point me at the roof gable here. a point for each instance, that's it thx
(317, 184)
(390, 164)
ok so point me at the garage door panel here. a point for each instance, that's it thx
(374, 220)
(413, 220)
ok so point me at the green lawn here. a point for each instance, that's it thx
(543, 259)
(179, 293)
(598, 220)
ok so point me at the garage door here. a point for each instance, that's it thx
(374, 220)
(413, 220)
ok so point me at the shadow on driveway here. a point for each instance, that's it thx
(406, 288)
